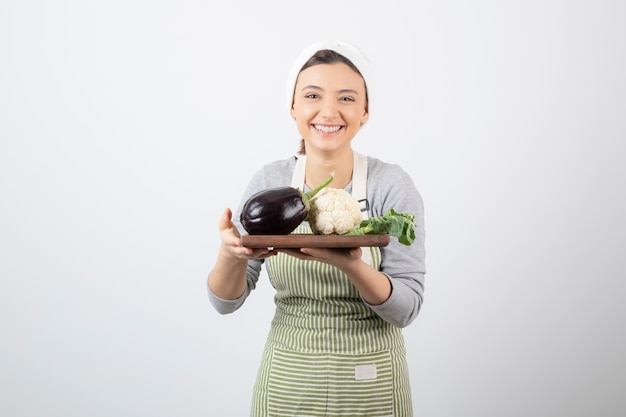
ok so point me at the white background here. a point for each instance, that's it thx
(126, 128)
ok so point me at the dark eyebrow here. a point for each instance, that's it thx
(344, 91)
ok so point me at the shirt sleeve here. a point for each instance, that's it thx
(389, 186)
(270, 175)
(223, 306)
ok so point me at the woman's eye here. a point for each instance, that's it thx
(312, 95)
(347, 99)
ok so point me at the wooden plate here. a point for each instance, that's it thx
(296, 240)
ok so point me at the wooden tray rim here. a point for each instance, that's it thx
(307, 240)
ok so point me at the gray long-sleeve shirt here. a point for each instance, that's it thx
(388, 186)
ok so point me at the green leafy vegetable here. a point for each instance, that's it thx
(400, 225)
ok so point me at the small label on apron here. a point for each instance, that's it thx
(364, 372)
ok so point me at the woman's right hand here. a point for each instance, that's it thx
(231, 241)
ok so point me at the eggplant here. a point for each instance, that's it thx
(277, 211)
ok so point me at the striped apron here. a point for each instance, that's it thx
(327, 353)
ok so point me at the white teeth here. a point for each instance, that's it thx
(327, 129)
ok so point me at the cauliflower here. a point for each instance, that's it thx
(334, 211)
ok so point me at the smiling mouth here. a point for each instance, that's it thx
(327, 129)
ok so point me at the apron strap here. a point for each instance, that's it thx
(359, 187)
(297, 179)
(359, 183)
(359, 191)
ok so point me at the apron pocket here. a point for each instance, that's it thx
(323, 384)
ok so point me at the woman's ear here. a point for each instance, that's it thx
(293, 112)
(364, 117)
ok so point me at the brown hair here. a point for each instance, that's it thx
(328, 56)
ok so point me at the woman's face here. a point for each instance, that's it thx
(329, 106)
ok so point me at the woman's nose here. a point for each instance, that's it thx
(329, 108)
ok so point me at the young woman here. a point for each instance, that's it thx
(335, 346)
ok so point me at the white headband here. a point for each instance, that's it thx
(344, 48)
